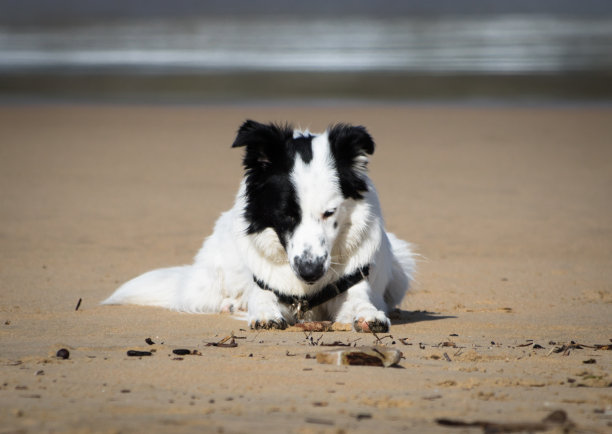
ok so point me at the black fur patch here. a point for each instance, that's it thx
(271, 200)
(347, 143)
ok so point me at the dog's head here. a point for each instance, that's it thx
(303, 187)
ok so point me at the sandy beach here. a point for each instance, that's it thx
(509, 209)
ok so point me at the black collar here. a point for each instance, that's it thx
(306, 303)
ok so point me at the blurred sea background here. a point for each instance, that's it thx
(188, 51)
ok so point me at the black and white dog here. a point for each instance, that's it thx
(305, 239)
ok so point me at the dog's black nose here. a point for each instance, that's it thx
(310, 270)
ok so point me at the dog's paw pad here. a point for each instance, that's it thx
(279, 324)
(371, 326)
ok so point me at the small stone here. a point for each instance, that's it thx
(63, 354)
(136, 353)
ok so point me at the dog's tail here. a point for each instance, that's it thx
(154, 288)
(403, 269)
(185, 288)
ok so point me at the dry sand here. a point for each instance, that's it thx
(510, 209)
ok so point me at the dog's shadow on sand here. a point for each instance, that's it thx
(399, 316)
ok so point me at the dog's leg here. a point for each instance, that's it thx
(359, 307)
(265, 312)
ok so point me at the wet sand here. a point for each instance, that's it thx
(509, 209)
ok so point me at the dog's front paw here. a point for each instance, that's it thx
(266, 313)
(372, 324)
(279, 324)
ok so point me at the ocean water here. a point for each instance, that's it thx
(505, 44)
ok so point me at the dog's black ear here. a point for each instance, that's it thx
(350, 146)
(262, 141)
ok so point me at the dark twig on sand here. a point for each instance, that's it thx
(223, 342)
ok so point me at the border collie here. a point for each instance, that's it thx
(305, 239)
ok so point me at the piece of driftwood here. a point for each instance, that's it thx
(320, 326)
(366, 356)
(556, 419)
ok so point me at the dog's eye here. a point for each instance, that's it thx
(329, 213)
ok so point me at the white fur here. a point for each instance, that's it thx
(221, 277)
